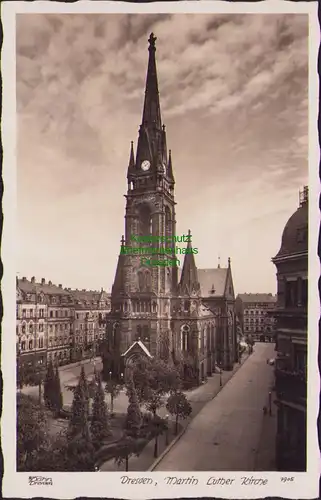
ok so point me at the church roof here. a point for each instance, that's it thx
(213, 281)
(138, 343)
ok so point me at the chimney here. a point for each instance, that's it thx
(49, 283)
(24, 279)
(33, 279)
(84, 289)
(43, 281)
(60, 285)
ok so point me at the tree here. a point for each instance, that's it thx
(78, 423)
(99, 423)
(154, 427)
(84, 385)
(153, 379)
(32, 433)
(133, 420)
(57, 400)
(49, 386)
(179, 406)
(29, 375)
(127, 447)
(113, 388)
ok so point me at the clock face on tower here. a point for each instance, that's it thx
(145, 165)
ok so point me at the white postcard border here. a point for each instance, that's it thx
(70, 485)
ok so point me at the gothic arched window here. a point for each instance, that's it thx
(168, 224)
(141, 281)
(138, 332)
(145, 221)
(184, 337)
(146, 336)
(114, 334)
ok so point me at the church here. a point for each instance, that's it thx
(178, 313)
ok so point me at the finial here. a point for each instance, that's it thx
(229, 262)
(152, 39)
(219, 262)
(122, 241)
(163, 128)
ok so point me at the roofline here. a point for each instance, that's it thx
(291, 256)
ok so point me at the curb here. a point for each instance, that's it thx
(178, 437)
(169, 447)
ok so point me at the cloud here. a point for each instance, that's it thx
(233, 94)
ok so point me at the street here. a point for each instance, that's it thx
(226, 433)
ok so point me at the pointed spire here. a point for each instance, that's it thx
(119, 281)
(131, 156)
(170, 165)
(151, 113)
(189, 278)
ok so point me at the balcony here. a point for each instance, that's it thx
(291, 386)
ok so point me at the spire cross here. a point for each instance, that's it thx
(152, 39)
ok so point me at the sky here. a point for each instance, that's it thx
(234, 98)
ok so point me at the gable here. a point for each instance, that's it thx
(137, 348)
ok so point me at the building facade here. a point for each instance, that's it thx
(173, 313)
(255, 313)
(90, 310)
(291, 340)
(50, 320)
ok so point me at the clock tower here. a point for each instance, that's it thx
(141, 293)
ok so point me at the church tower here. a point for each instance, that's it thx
(142, 292)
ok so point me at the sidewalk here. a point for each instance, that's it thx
(265, 458)
(198, 398)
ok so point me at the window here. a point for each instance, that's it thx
(291, 293)
(23, 345)
(168, 225)
(186, 305)
(57, 314)
(31, 328)
(40, 327)
(51, 314)
(23, 313)
(184, 337)
(30, 344)
(138, 335)
(304, 293)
